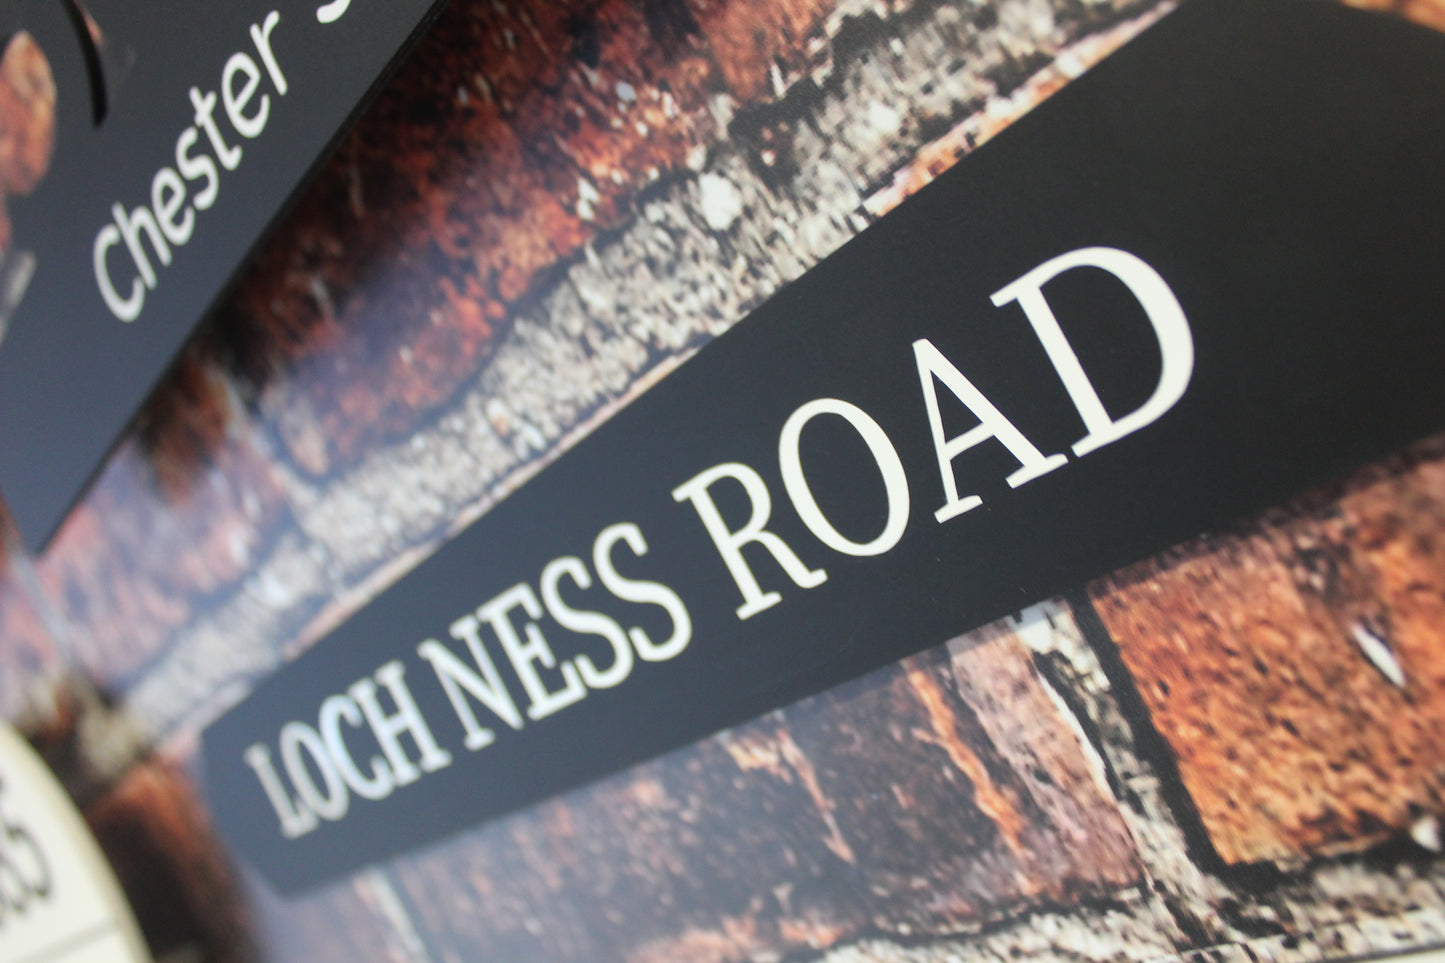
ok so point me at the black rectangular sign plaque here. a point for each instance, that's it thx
(1204, 276)
(168, 137)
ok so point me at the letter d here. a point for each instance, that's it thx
(1176, 343)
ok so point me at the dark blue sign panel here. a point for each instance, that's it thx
(148, 145)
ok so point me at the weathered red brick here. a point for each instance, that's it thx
(181, 511)
(1296, 668)
(509, 138)
(155, 833)
(754, 41)
(27, 649)
(930, 796)
(27, 121)
(1430, 13)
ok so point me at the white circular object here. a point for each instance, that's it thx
(59, 900)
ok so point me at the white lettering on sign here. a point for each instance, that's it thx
(532, 653)
(1176, 344)
(729, 543)
(333, 11)
(128, 251)
(59, 900)
(322, 766)
(138, 242)
(895, 482)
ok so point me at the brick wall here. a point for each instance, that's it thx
(1228, 750)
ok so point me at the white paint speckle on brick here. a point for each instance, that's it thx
(719, 200)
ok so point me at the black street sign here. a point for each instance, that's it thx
(1201, 278)
(178, 132)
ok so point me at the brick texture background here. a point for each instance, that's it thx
(1229, 751)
